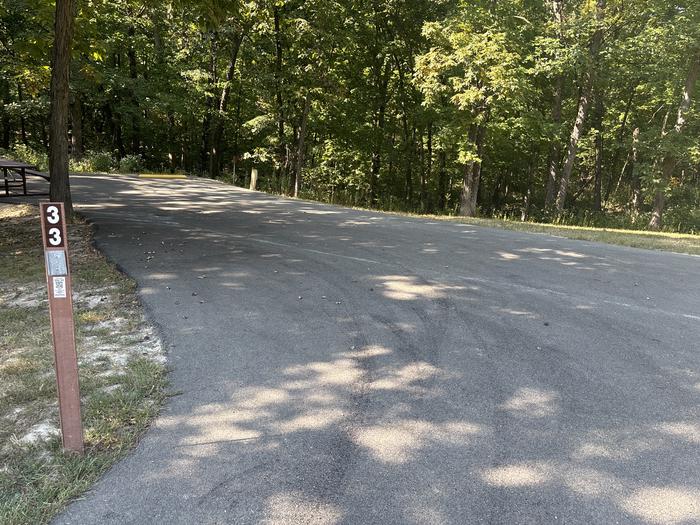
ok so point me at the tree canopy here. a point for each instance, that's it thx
(578, 111)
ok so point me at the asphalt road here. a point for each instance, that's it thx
(344, 366)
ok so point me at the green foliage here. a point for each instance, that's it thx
(398, 101)
(94, 161)
(130, 164)
(27, 154)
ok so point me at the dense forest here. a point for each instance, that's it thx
(576, 111)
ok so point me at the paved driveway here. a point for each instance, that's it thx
(341, 366)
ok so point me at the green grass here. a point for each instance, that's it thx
(672, 242)
(666, 241)
(122, 389)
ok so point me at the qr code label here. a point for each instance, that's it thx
(59, 287)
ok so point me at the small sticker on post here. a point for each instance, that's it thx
(59, 288)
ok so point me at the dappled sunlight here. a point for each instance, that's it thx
(516, 313)
(367, 352)
(264, 397)
(405, 288)
(270, 411)
(158, 276)
(519, 475)
(591, 483)
(103, 206)
(566, 258)
(507, 256)
(313, 419)
(671, 505)
(297, 507)
(399, 442)
(220, 412)
(334, 373)
(213, 432)
(532, 402)
(319, 211)
(600, 450)
(688, 431)
(561, 253)
(665, 505)
(353, 222)
(629, 444)
(404, 378)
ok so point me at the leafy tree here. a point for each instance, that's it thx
(581, 111)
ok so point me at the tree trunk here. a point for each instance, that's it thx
(60, 70)
(582, 111)
(472, 174)
(216, 153)
(299, 172)
(670, 161)
(465, 203)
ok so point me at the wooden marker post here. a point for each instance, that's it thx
(53, 232)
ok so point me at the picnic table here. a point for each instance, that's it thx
(15, 174)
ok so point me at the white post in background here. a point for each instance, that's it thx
(253, 178)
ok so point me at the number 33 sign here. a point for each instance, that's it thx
(54, 224)
(53, 232)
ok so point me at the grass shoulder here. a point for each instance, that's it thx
(672, 242)
(121, 362)
(665, 241)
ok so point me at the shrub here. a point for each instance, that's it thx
(131, 164)
(93, 161)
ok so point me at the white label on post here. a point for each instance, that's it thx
(59, 287)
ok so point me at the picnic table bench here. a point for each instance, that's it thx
(15, 174)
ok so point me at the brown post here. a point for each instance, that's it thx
(53, 232)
